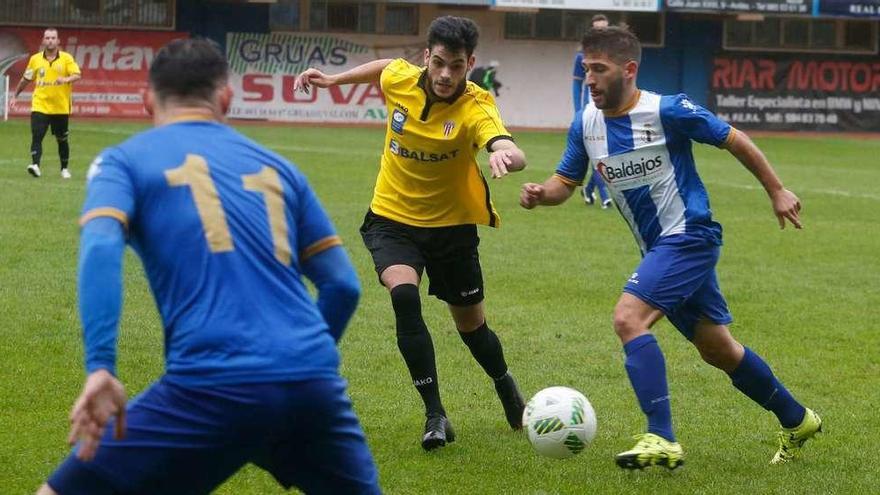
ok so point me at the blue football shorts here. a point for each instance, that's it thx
(677, 276)
(188, 440)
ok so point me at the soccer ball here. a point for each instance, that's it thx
(560, 422)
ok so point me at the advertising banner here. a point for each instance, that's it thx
(600, 5)
(114, 67)
(850, 8)
(797, 92)
(264, 67)
(757, 6)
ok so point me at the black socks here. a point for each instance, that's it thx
(486, 349)
(416, 346)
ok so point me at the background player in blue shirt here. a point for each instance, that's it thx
(640, 143)
(225, 230)
(580, 99)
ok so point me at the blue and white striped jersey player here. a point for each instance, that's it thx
(226, 230)
(640, 142)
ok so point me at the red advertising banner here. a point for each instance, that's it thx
(795, 92)
(114, 67)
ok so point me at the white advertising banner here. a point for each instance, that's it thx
(264, 67)
(600, 5)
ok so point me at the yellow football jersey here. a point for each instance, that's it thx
(48, 97)
(429, 175)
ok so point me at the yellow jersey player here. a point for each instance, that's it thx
(429, 197)
(53, 72)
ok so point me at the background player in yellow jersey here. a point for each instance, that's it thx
(54, 71)
(429, 197)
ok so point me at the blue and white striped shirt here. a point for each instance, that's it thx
(644, 156)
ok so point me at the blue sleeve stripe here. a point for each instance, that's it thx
(321, 245)
(104, 211)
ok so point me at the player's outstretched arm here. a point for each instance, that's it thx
(338, 288)
(552, 192)
(786, 205)
(99, 286)
(364, 73)
(506, 157)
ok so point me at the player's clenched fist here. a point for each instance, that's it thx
(530, 195)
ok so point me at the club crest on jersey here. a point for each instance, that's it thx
(688, 105)
(447, 128)
(398, 119)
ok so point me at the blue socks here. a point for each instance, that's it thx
(755, 379)
(647, 374)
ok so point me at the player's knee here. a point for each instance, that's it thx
(626, 325)
(405, 297)
(721, 354)
(407, 305)
(469, 321)
(62, 138)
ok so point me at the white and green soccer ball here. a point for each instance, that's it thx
(560, 422)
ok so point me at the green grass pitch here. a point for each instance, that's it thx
(806, 300)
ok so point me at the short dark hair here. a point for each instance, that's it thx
(598, 17)
(188, 69)
(618, 43)
(454, 33)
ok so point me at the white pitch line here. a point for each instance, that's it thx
(830, 192)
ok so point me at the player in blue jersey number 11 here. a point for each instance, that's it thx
(226, 231)
(640, 143)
